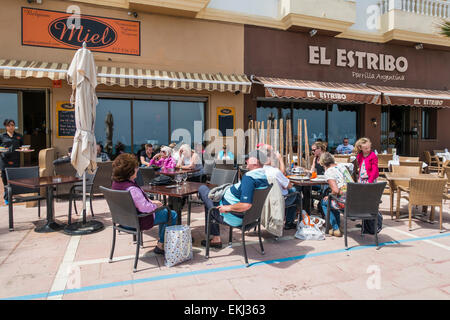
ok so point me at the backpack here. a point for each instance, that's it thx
(368, 226)
(161, 180)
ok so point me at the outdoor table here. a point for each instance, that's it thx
(444, 155)
(397, 163)
(307, 185)
(174, 172)
(396, 180)
(177, 194)
(49, 183)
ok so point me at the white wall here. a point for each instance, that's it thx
(266, 8)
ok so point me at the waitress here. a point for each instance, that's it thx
(11, 158)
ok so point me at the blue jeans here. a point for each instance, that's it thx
(162, 216)
(335, 217)
(289, 200)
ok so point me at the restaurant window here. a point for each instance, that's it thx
(342, 120)
(329, 122)
(9, 102)
(429, 123)
(135, 122)
(183, 115)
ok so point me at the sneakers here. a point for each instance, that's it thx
(336, 233)
(212, 244)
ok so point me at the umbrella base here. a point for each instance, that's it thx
(80, 228)
(49, 227)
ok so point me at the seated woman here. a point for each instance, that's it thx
(337, 176)
(190, 160)
(164, 159)
(125, 168)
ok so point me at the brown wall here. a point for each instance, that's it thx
(368, 112)
(442, 140)
(285, 54)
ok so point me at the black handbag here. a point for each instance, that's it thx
(161, 180)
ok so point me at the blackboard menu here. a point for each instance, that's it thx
(65, 120)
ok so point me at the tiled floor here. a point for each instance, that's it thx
(32, 264)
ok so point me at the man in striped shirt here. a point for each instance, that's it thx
(237, 198)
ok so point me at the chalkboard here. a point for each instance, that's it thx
(225, 122)
(66, 123)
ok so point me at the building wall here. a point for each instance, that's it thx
(370, 111)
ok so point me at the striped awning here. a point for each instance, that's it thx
(131, 77)
(319, 91)
(414, 97)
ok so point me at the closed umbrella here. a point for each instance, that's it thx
(82, 76)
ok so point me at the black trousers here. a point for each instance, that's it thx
(5, 180)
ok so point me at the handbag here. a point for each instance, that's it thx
(177, 245)
(310, 228)
(161, 180)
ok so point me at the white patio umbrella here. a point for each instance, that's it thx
(82, 75)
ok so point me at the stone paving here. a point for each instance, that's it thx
(408, 265)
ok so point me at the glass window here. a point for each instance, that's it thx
(315, 122)
(8, 107)
(119, 113)
(341, 124)
(429, 123)
(264, 114)
(150, 123)
(184, 114)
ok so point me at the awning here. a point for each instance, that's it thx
(414, 97)
(131, 77)
(319, 91)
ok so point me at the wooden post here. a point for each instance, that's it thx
(282, 139)
(262, 138)
(275, 135)
(306, 145)
(299, 142)
(291, 152)
(269, 132)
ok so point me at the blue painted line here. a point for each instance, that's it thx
(200, 272)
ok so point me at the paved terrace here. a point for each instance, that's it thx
(410, 265)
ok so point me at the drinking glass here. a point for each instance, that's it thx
(185, 176)
(178, 179)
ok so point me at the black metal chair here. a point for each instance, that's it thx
(251, 218)
(362, 202)
(15, 192)
(218, 177)
(208, 167)
(124, 213)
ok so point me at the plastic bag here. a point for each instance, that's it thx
(177, 245)
(310, 228)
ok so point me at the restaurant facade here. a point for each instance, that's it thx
(156, 73)
(394, 94)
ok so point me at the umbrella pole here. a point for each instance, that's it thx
(84, 197)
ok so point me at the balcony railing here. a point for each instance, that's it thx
(432, 8)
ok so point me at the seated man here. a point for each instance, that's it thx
(63, 159)
(345, 147)
(225, 154)
(102, 155)
(285, 185)
(237, 198)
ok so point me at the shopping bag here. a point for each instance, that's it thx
(177, 245)
(310, 228)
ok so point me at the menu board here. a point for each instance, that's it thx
(65, 120)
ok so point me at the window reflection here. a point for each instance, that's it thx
(341, 124)
(113, 117)
(8, 107)
(150, 123)
(184, 114)
(315, 122)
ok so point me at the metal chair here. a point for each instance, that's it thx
(208, 168)
(15, 192)
(124, 213)
(148, 174)
(362, 202)
(65, 169)
(251, 218)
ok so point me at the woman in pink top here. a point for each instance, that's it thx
(164, 159)
(367, 161)
(125, 168)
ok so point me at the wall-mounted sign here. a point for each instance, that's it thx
(358, 59)
(45, 28)
(225, 119)
(65, 120)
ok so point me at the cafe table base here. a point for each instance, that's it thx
(80, 228)
(49, 227)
